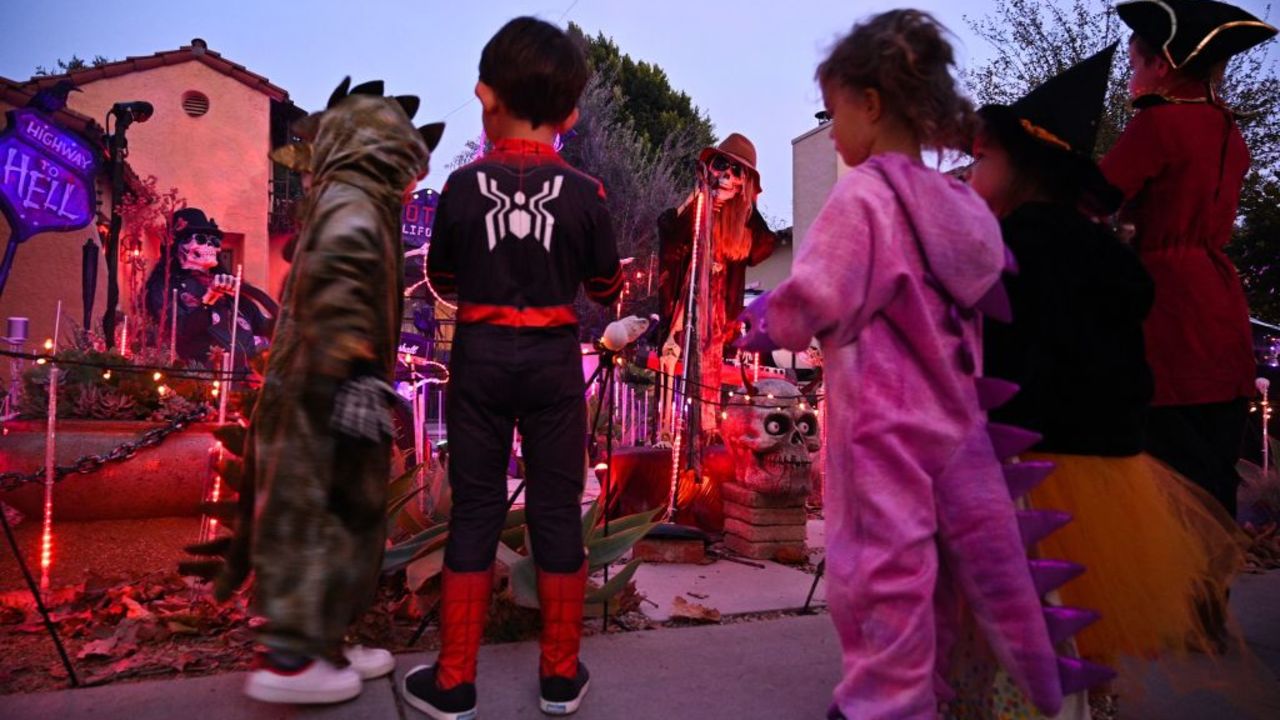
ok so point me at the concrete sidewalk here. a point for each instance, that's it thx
(780, 669)
(777, 669)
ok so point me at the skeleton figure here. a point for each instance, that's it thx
(774, 439)
(739, 238)
(205, 297)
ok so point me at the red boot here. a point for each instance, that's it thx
(564, 680)
(447, 690)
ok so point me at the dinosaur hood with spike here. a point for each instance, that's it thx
(368, 142)
(960, 250)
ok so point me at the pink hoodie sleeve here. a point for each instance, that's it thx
(840, 276)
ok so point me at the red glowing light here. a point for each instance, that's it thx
(217, 492)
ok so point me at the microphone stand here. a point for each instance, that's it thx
(699, 276)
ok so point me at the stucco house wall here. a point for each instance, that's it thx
(217, 161)
(815, 167)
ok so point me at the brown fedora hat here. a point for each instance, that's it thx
(738, 147)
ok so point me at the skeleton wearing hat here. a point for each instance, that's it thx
(739, 238)
(204, 302)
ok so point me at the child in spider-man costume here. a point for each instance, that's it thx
(516, 233)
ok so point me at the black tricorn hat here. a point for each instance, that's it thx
(1057, 124)
(189, 221)
(1198, 33)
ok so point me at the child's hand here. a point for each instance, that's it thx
(362, 409)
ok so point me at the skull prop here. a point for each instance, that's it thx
(727, 178)
(773, 440)
(199, 252)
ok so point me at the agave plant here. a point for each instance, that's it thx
(421, 555)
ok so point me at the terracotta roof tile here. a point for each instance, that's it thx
(186, 53)
(18, 94)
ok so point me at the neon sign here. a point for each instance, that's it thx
(46, 180)
(417, 216)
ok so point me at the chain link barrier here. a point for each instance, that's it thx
(86, 464)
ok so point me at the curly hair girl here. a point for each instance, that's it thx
(888, 85)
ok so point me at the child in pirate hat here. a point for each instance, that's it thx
(1180, 165)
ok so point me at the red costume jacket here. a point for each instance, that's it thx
(1180, 166)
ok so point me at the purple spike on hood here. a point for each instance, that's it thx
(994, 392)
(1010, 262)
(1022, 477)
(995, 304)
(1008, 440)
(1035, 525)
(1049, 575)
(1065, 622)
(1078, 675)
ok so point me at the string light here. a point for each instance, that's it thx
(157, 376)
(217, 493)
(106, 375)
(48, 344)
(41, 361)
(46, 540)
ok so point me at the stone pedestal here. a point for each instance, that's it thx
(764, 527)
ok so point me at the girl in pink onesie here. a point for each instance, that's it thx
(920, 523)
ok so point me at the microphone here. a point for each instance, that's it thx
(623, 333)
(136, 111)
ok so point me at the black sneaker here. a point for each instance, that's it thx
(421, 692)
(561, 695)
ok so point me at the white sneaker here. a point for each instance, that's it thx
(318, 683)
(369, 662)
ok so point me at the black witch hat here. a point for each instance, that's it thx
(1194, 33)
(1056, 124)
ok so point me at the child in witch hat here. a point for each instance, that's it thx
(515, 235)
(1075, 348)
(1180, 165)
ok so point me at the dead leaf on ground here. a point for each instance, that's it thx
(134, 609)
(97, 649)
(178, 628)
(685, 610)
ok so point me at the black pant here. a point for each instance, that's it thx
(1203, 443)
(502, 379)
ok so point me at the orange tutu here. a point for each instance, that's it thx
(1153, 545)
